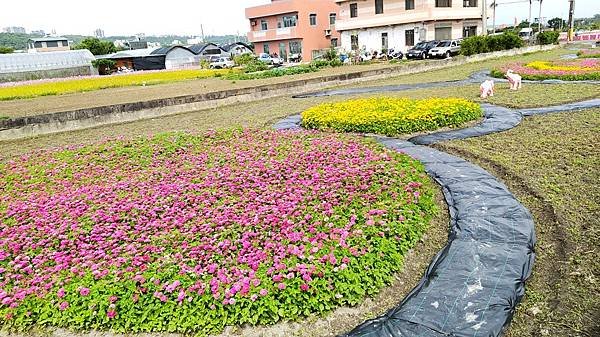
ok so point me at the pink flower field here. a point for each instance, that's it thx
(572, 70)
(191, 233)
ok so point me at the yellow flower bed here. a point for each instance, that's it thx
(390, 116)
(58, 87)
(546, 65)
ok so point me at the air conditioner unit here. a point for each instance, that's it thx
(327, 32)
(253, 23)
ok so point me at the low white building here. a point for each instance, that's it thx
(375, 25)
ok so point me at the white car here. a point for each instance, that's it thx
(268, 59)
(445, 49)
(222, 63)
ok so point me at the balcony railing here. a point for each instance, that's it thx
(272, 34)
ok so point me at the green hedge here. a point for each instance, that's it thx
(485, 44)
(550, 37)
(278, 72)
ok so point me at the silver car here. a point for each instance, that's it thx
(446, 49)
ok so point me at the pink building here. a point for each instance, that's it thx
(286, 27)
(400, 24)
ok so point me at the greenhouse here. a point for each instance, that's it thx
(31, 66)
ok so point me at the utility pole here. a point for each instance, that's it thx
(540, 18)
(571, 13)
(484, 17)
(202, 31)
(529, 20)
(494, 5)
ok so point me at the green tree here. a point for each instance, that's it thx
(96, 46)
(6, 50)
(557, 23)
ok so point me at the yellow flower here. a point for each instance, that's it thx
(390, 116)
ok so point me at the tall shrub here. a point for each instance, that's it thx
(484, 44)
(511, 40)
(474, 45)
(550, 37)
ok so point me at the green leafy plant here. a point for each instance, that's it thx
(192, 233)
(549, 37)
(244, 59)
(96, 46)
(255, 65)
(331, 54)
(104, 66)
(6, 50)
(204, 64)
(484, 44)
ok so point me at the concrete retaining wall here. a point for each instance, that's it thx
(53, 73)
(22, 127)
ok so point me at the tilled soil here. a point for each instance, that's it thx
(551, 164)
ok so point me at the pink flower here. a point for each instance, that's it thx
(111, 314)
(63, 306)
(263, 292)
(60, 293)
(281, 286)
(304, 287)
(84, 291)
(113, 299)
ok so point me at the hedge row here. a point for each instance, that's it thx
(485, 44)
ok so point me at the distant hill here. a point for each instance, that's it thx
(15, 41)
(19, 41)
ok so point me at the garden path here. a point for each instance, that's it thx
(475, 78)
(473, 286)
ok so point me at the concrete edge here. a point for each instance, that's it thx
(30, 126)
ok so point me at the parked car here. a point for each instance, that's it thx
(445, 49)
(214, 58)
(222, 63)
(526, 34)
(421, 50)
(268, 59)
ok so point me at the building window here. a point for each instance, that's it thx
(290, 21)
(332, 18)
(65, 43)
(282, 51)
(469, 31)
(410, 4)
(264, 25)
(38, 44)
(266, 48)
(353, 10)
(443, 3)
(378, 6)
(295, 47)
(469, 3)
(409, 36)
(52, 44)
(354, 42)
(384, 42)
(334, 43)
(313, 19)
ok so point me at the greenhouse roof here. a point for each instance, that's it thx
(199, 48)
(24, 62)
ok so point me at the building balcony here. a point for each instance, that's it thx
(410, 16)
(273, 34)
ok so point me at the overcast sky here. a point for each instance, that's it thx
(184, 17)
